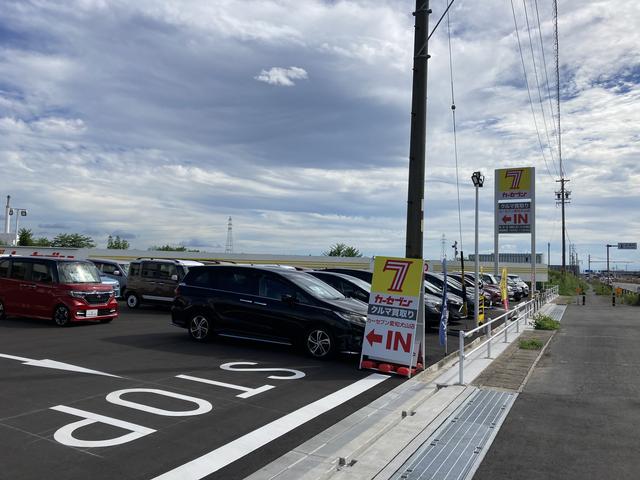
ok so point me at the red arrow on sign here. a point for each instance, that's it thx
(373, 338)
(506, 219)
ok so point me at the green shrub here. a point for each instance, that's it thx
(531, 344)
(545, 322)
(631, 299)
(567, 282)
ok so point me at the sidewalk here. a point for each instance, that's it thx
(376, 441)
(578, 415)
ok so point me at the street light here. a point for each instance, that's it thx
(478, 181)
(20, 212)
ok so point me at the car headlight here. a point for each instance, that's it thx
(353, 318)
(77, 294)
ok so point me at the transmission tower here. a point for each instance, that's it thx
(229, 247)
(443, 243)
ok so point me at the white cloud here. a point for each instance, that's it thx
(282, 76)
(148, 113)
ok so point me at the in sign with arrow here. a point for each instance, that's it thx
(372, 337)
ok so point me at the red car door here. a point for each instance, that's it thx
(17, 289)
(41, 295)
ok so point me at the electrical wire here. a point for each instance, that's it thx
(455, 135)
(526, 81)
(446, 12)
(535, 71)
(546, 73)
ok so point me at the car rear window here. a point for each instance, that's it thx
(78, 272)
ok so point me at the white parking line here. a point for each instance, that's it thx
(221, 457)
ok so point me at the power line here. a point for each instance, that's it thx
(446, 12)
(546, 74)
(526, 81)
(455, 136)
(535, 70)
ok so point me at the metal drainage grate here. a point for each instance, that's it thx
(556, 312)
(453, 449)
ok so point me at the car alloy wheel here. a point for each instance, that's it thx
(132, 300)
(319, 343)
(61, 316)
(199, 327)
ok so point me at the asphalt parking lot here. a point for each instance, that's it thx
(137, 398)
(181, 400)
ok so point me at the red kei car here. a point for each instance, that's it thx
(54, 288)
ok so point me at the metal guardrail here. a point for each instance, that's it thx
(513, 317)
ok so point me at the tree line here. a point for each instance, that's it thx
(68, 240)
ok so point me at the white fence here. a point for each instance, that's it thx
(521, 312)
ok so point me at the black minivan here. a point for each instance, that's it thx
(273, 305)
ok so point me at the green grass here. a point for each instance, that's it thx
(531, 344)
(545, 322)
(567, 282)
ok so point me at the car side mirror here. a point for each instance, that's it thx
(174, 278)
(289, 299)
(116, 272)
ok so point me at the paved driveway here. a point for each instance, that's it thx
(579, 415)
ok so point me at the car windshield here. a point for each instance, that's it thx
(316, 287)
(487, 277)
(431, 288)
(359, 282)
(78, 272)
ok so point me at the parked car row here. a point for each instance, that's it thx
(323, 311)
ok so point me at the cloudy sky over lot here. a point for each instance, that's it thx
(156, 120)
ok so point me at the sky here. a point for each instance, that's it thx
(156, 120)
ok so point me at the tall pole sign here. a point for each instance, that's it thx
(515, 210)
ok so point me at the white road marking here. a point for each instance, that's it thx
(64, 435)
(221, 457)
(47, 363)
(248, 392)
(233, 367)
(203, 405)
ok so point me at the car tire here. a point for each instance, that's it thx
(2, 312)
(133, 301)
(199, 327)
(61, 316)
(319, 343)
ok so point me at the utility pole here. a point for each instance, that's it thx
(417, 149)
(563, 195)
(608, 247)
(548, 253)
(589, 263)
(7, 222)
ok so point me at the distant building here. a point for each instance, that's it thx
(507, 257)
